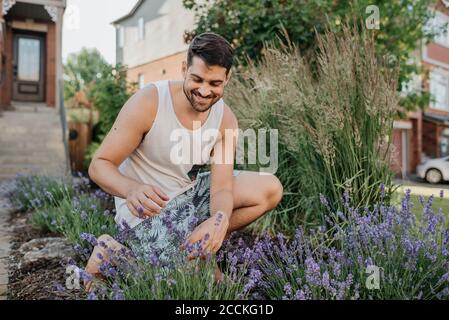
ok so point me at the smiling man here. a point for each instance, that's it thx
(153, 193)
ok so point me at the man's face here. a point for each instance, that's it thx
(203, 84)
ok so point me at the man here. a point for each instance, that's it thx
(138, 162)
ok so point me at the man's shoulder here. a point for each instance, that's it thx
(229, 119)
(142, 107)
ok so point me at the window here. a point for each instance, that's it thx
(29, 59)
(141, 29)
(439, 89)
(121, 37)
(141, 80)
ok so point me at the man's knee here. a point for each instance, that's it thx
(274, 194)
(104, 239)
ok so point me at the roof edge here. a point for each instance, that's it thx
(129, 14)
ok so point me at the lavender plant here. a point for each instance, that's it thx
(84, 213)
(36, 191)
(148, 274)
(339, 262)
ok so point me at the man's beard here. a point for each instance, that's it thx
(194, 105)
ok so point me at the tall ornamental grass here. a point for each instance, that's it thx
(334, 118)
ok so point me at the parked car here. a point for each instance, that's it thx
(434, 170)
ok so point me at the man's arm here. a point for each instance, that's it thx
(222, 167)
(213, 230)
(133, 121)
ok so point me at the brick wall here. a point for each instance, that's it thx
(161, 69)
(1, 54)
(50, 79)
(6, 87)
(430, 136)
(396, 155)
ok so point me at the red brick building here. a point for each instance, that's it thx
(425, 134)
(30, 49)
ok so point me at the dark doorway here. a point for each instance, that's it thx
(28, 67)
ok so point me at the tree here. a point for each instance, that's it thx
(249, 24)
(81, 69)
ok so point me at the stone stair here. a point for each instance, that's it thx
(31, 141)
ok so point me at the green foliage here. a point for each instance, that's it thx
(109, 93)
(248, 24)
(81, 69)
(334, 130)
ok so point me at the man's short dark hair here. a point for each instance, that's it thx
(213, 49)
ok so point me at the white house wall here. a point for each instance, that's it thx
(165, 22)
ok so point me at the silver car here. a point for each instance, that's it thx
(434, 170)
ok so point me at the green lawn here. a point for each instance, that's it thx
(437, 203)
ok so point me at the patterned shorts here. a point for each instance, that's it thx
(161, 235)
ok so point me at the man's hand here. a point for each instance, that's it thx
(146, 200)
(211, 233)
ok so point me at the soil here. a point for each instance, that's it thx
(38, 281)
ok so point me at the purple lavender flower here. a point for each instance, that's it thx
(83, 215)
(346, 199)
(382, 191)
(299, 295)
(59, 288)
(92, 296)
(85, 276)
(288, 289)
(89, 238)
(154, 260)
(313, 274)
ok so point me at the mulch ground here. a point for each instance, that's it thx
(36, 281)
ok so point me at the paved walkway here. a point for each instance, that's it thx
(422, 188)
(30, 141)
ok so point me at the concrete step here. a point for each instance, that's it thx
(27, 160)
(31, 141)
(8, 170)
(24, 131)
(31, 152)
(37, 144)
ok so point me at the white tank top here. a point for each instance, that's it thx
(157, 160)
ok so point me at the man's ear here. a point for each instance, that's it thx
(228, 77)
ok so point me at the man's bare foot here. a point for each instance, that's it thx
(94, 274)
